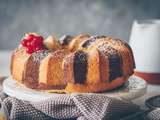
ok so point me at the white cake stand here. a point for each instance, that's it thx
(134, 88)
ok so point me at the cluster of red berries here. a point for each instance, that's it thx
(33, 43)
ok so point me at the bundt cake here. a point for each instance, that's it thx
(80, 63)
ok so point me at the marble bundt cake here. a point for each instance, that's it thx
(80, 63)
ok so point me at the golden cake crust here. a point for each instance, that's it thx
(18, 61)
(98, 87)
(86, 64)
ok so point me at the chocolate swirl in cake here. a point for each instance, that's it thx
(80, 67)
(91, 40)
(65, 40)
(115, 61)
(32, 68)
(121, 42)
(134, 65)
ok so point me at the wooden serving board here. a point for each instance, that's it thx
(133, 88)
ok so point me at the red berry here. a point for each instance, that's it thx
(33, 43)
(24, 42)
(28, 44)
(39, 44)
(29, 50)
(39, 39)
(34, 39)
(30, 37)
(38, 48)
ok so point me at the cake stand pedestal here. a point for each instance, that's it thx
(135, 87)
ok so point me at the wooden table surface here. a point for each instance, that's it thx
(152, 90)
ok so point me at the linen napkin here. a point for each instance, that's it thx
(69, 106)
(154, 114)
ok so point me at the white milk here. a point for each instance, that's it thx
(145, 43)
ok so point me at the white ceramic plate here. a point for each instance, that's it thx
(133, 88)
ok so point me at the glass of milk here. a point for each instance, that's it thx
(145, 43)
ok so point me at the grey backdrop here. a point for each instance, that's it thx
(109, 17)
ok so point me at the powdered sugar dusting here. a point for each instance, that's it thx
(89, 41)
(107, 49)
(100, 36)
(39, 55)
(117, 42)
